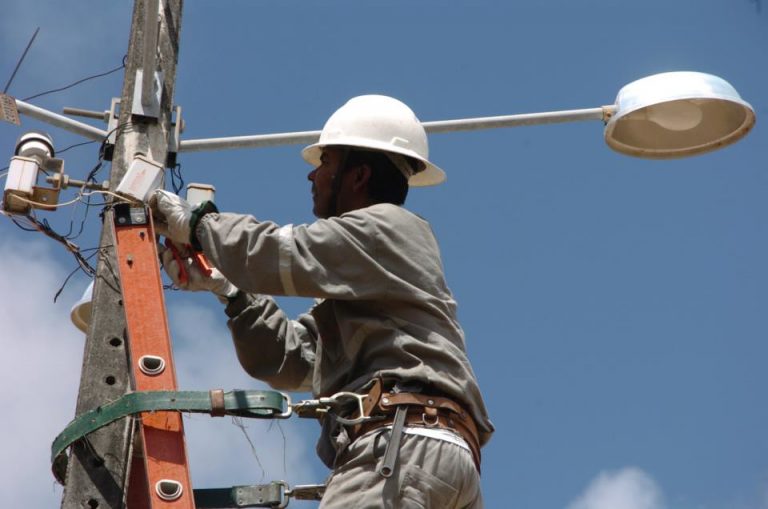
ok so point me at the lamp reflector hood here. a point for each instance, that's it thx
(677, 114)
(81, 311)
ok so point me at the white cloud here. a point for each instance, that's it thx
(41, 370)
(41, 373)
(628, 488)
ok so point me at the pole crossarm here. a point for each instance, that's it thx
(241, 403)
(438, 126)
(66, 123)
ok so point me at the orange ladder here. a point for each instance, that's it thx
(159, 476)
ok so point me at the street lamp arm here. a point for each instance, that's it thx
(439, 126)
(524, 119)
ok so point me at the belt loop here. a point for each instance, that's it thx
(217, 403)
(393, 446)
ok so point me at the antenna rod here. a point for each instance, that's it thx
(29, 45)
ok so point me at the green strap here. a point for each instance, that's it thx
(242, 403)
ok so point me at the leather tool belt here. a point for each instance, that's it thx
(423, 410)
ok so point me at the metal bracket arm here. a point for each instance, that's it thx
(49, 117)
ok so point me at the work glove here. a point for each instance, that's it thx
(180, 262)
(172, 216)
(176, 219)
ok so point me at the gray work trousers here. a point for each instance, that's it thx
(430, 474)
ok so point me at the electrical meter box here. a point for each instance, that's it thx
(198, 193)
(143, 177)
(21, 180)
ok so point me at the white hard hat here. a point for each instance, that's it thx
(378, 122)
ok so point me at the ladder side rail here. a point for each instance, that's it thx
(151, 361)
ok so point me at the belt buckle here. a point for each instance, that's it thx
(435, 422)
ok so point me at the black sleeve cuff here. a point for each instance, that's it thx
(237, 304)
(201, 210)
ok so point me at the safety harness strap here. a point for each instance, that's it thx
(242, 403)
(261, 495)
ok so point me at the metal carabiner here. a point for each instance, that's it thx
(336, 400)
(330, 405)
(309, 408)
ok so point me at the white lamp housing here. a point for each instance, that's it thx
(677, 114)
(32, 149)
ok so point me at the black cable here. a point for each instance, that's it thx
(75, 145)
(122, 66)
(45, 228)
(66, 280)
(91, 177)
(22, 227)
(48, 227)
(177, 181)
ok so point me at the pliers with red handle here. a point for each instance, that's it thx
(198, 258)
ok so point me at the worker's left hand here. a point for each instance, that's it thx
(195, 281)
(172, 216)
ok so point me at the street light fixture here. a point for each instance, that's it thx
(667, 115)
(677, 114)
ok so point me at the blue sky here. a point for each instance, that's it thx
(614, 308)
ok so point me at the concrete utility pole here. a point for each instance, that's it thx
(99, 467)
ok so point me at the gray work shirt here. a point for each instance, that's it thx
(384, 309)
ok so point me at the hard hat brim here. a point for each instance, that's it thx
(431, 175)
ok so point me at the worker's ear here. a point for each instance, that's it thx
(361, 177)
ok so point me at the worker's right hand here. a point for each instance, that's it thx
(172, 216)
(195, 281)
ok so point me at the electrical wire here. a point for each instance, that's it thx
(44, 227)
(79, 198)
(75, 145)
(238, 422)
(69, 276)
(122, 66)
(91, 177)
(177, 180)
(15, 221)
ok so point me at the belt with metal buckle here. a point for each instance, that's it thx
(421, 410)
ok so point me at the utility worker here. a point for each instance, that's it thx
(384, 324)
